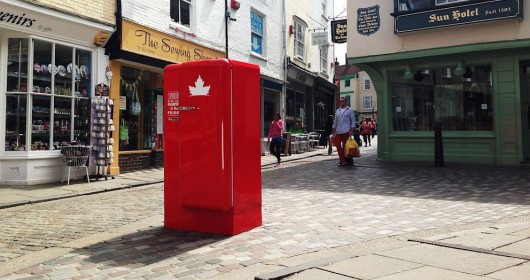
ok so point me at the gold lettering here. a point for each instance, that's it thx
(436, 18)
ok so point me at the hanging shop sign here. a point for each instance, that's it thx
(459, 15)
(368, 20)
(339, 32)
(149, 42)
(319, 39)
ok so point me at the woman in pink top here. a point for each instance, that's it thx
(276, 133)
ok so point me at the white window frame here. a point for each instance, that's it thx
(299, 39)
(367, 84)
(324, 50)
(367, 102)
(262, 35)
(190, 16)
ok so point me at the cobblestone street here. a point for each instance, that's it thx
(309, 206)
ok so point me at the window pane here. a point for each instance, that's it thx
(185, 13)
(42, 66)
(82, 120)
(460, 103)
(81, 71)
(40, 134)
(16, 122)
(63, 79)
(17, 65)
(62, 117)
(174, 10)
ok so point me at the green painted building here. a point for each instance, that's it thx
(462, 67)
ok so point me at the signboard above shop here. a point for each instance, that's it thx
(459, 15)
(339, 32)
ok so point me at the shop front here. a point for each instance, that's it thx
(138, 55)
(49, 64)
(309, 100)
(448, 89)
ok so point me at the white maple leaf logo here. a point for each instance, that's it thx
(199, 89)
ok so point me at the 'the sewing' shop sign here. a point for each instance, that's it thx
(368, 20)
(149, 42)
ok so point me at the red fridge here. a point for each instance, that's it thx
(212, 165)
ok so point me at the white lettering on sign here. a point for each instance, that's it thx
(173, 103)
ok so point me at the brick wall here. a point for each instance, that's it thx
(98, 10)
(134, 162)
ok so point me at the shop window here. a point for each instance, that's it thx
(460, 102)
(47, 100)
(299, 39)
(256, 34)
(180, 11)
(271, 105)
(295, 115)
(140, 127)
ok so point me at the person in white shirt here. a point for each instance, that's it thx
(343, 127)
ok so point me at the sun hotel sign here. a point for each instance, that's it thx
(149, 42)
(458, 15)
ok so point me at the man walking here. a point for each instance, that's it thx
(343, 127)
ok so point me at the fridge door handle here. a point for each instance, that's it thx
(187, 108)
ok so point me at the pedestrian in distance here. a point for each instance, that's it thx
(366, 132)
(328, 131)
(374, 128)
(276, 134)
(343, 127)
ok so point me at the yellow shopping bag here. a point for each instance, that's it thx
(351, 149)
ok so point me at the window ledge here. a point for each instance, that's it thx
(182, 29)
(259, 56)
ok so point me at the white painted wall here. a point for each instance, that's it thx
(208, 26)
(385, 41)
(310, 12)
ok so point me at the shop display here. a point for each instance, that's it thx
(102, 135)
(46, 101)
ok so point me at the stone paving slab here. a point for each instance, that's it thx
(431, 273)
(452, 259)
(518, 272)
(317, 274)
(370, 266)
(485, 240)
(521, 247)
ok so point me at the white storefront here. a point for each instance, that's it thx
(49, 66)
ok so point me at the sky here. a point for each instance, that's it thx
(340, 49)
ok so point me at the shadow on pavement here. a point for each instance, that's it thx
(148, 247)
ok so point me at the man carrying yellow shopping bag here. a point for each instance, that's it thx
(343, 127)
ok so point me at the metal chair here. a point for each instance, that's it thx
(314, 140)
(76, 156)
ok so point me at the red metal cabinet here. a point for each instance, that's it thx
(212, 173)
